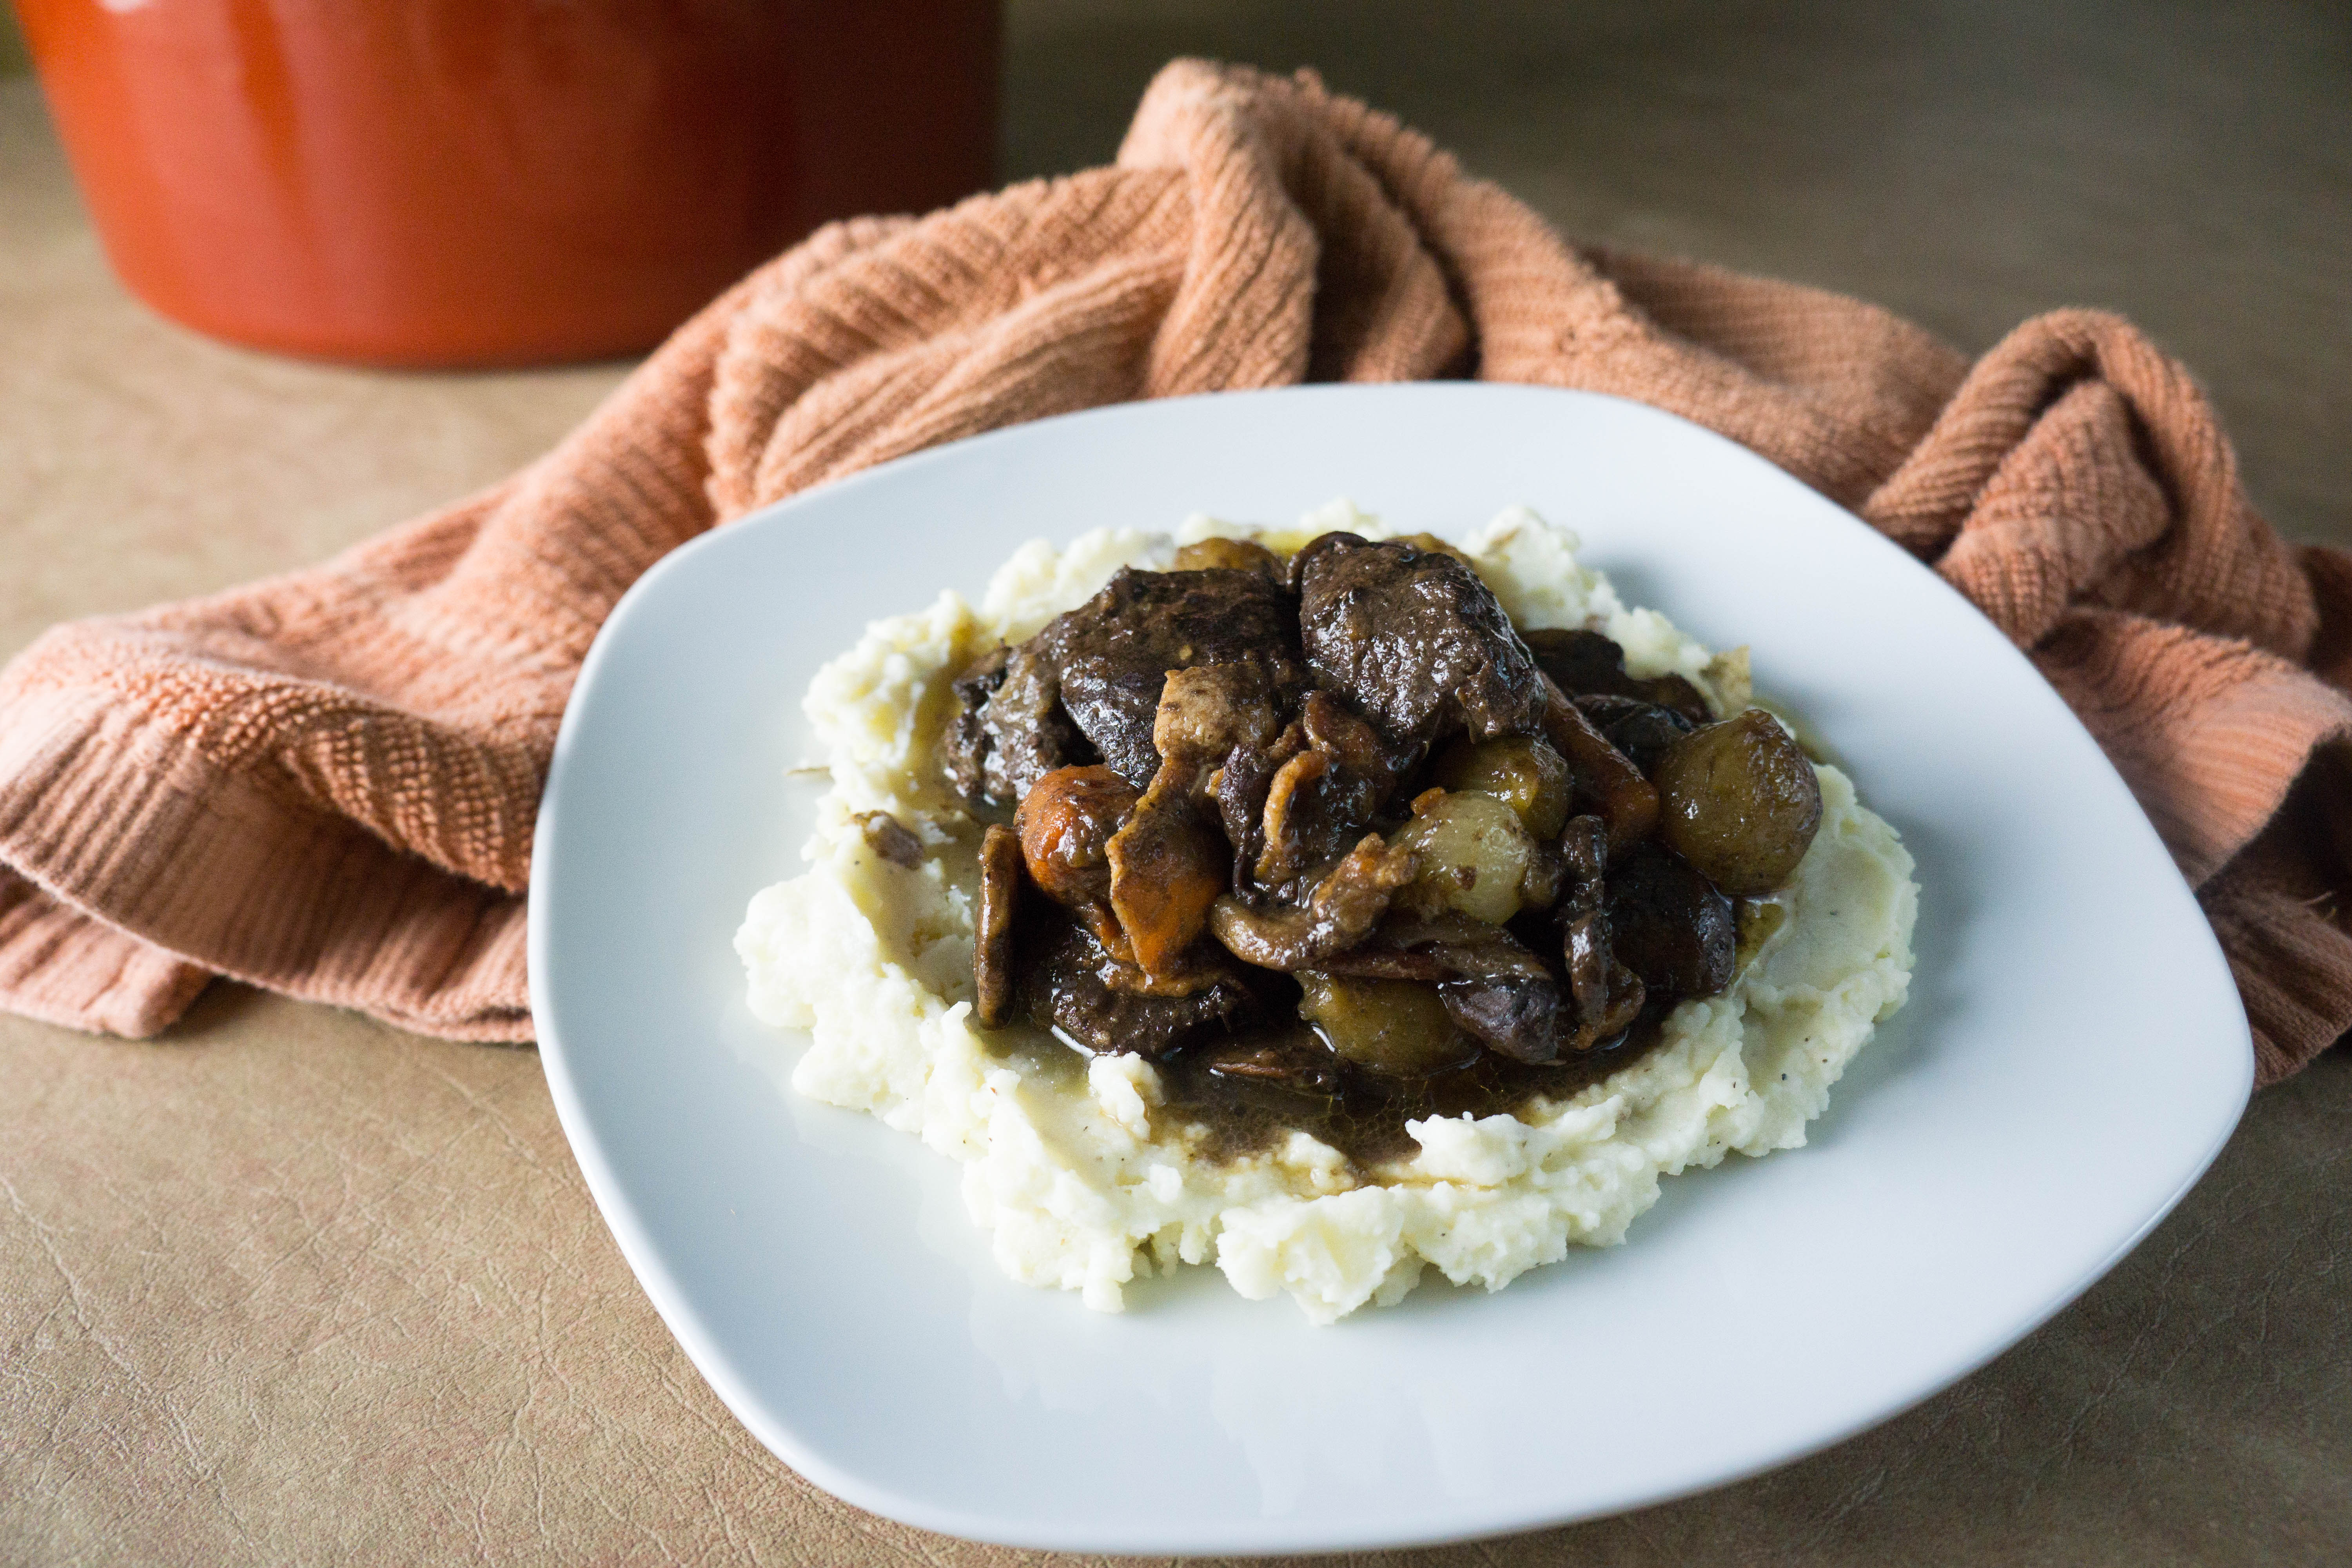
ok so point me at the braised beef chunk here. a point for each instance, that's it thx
(1588, 663)
(1669, 925)
(1010, 729)
(1112, 654)
(1414, 641)
(1071, 986)
(963, 750)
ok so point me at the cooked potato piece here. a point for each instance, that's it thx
(1738, 801)
(1521, 770)
(1396, 1026)
(1231, 554)
(1474, 852)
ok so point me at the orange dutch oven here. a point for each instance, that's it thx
(496, 182)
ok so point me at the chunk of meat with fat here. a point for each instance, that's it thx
(1414, 641)
(1010, 729)
(1087, 688)
(1207, 710)
(1112, 654)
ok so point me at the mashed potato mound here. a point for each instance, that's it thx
(1072, 1164)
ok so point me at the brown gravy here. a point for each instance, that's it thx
(1366, 1119)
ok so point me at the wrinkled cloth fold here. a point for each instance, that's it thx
(325, 783)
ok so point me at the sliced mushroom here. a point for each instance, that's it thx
(1606, 779)
(1670, 925)
(1642, 730)
(1244, 785)
(1590, 663)
(1320, 799)
(992, 973)
(1288, 831)
(1345, 906)
(1364, 768)
(1169, 862)
(1607, 994)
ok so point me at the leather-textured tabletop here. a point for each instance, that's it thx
(288, 1286)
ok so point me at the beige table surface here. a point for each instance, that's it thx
(289, 1286)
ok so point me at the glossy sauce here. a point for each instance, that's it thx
(1366, 1119)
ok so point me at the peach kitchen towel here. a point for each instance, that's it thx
(325, 783)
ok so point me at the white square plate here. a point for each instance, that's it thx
(2072, 1055)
